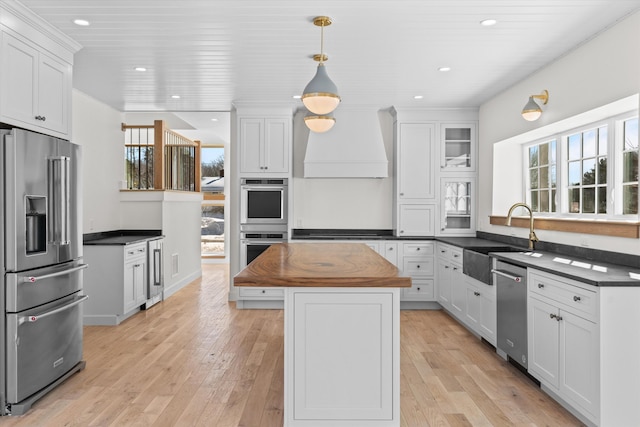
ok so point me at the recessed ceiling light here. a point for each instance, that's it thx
(140, 69)
(444, 69)
(418, 97)
(81, 22)
(175, 96)
(488, 22)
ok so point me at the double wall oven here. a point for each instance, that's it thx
(42, 269)
(263, 216)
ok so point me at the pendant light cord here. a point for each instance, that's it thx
(322, 43)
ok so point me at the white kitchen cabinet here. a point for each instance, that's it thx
(341, 357)
(418, 262)
(415, 151)
(416, 219)
(480, 309)
(458, 145)
(389, 250)
(115, 281)
(35, 88)
(458, 291)
(265, 145)
(135, 276)
(458, 212)
(448, 257)
(564, 341)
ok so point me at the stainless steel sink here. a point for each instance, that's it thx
(477, 263)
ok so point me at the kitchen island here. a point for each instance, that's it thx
(342, 332)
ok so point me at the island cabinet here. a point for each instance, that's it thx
(35, 79)
(564, 339)
(342, 332)
(265, 146)
(115, 282)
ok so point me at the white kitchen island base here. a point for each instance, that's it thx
(342, 357)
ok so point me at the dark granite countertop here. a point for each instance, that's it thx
(348, 234)
(120, 237)
(590, 272)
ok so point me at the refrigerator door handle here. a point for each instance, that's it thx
(157, 267)
(34, 318)
(59, 191)
(33, 279)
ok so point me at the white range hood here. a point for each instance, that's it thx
(353, 148)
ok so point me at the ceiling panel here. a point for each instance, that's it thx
(381, 53)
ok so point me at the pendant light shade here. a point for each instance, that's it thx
(319, 123)
(320, 96)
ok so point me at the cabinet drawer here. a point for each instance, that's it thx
(420, 290)
(415, 266)
(423, 248)
(572, 296)
(452, 253)
(134, 251)
(262, 293)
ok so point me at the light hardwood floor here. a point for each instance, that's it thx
(194, 360)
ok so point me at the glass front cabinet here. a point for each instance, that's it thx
(457, 216)
(458, 147)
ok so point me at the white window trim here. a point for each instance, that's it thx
(614, 170)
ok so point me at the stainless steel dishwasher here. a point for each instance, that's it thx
(511, 292)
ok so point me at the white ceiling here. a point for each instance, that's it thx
(216, 52)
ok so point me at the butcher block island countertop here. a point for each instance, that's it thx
(341, 332)
(321, 265)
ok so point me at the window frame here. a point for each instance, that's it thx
(615, 144)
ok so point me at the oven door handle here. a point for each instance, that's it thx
(34, 318)
(33, 279)
(507, 275)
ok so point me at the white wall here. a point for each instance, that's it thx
(601, 71)
(341, 202)
(96, 127)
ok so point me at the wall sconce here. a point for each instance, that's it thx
(532, 111)
(319, 123)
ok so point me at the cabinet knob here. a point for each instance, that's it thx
(540, 286)
(417, 249)
(402, 194)
(390, 249)
(418, 266)
(418, 288)
(401, 231)
(456, 255)
(446, 266)
(455, 268)
(576, 298)
(264, 292)
(476, 293)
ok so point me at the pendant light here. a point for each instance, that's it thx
(320, 96)
(319, 123)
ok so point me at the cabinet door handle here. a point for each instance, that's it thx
(401, 231)
(264, 292)
(136, 265)
(576, 298)
(476, 293)
(43, 118)
(417, 249)
(390, 249)
(402, 194)
(446, 266)
(418, 266)
(540, 286)
(552, 315)
(558, 318)
(456, 255)
(455, 268)
(418, 288)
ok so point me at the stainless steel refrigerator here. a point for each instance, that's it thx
(41, 263)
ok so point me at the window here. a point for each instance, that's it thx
(213, 204)
(587, 171)
(542, 176)
(630, 167)
(573, 173)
